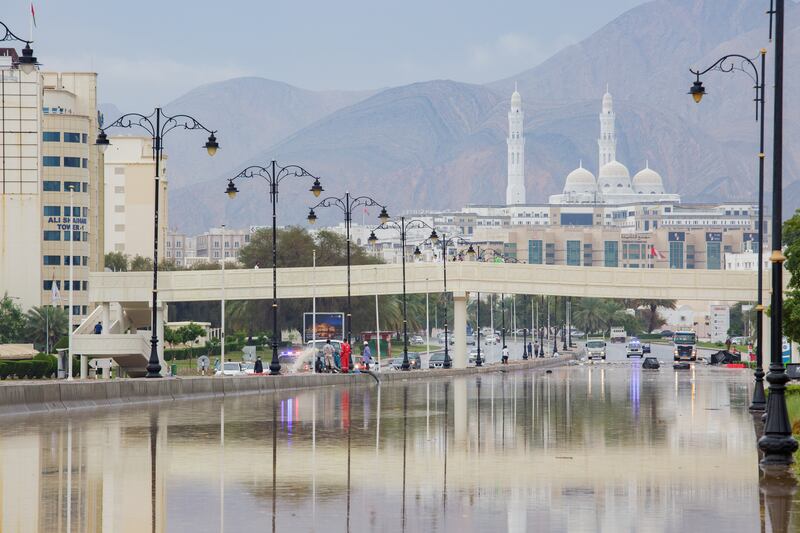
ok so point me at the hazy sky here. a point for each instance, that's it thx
(149, 52)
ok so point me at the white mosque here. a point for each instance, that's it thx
(613, 184)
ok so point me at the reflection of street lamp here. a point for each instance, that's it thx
(273, 175)
(347, 204)
(157, 124)
(731, 63)
(402, 226)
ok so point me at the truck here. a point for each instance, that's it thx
(596, 348)
(684, 345)
(618, 334)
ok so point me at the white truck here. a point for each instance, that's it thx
(596, 348)
(618, 334)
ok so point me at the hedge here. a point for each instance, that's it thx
(33, 369)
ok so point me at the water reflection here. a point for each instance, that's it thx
(586, 448)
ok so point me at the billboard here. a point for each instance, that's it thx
(328, 326)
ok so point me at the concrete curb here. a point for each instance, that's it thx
(47, 396)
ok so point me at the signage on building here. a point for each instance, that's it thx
(68, 223)
(327, 326)
(677, 236)
(713, 236)
(750, 237)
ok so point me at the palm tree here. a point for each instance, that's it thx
(588, 314)
(44, 323)
(651, 316)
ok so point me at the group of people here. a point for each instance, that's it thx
(342, 361)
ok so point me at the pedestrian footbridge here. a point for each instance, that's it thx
(124, 298)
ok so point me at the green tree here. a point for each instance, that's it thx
(116, 261)
(650, 317)
(46, 322)
(12, 321)
(791, 303)
(141, 264)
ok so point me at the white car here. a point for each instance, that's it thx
(416, 340)
(231, 368)
(491, 340)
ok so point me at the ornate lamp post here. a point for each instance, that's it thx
(274, 174)
(777, 443)
(157, 124)
(740, 63)
(403, 226)
(347, 204)
(28, 61)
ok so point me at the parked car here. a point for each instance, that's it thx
(436, 360)
(414, 361)
(231, 368)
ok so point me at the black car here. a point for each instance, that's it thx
(645, 347)
(436, 360)
(414, 362)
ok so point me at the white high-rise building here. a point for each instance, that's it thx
(515, 191)
(607, 143)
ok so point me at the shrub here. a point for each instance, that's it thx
(4, 370)
(51, 366)
(23, 369)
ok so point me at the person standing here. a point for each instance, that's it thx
(258, 368)
(728, 345)
(327, 352)
(366, 356)
(505, 355)
(346, 352)
(531, 353)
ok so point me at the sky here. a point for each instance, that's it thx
(149, 52)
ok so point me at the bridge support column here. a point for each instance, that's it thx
(84, 367)
(460, 329)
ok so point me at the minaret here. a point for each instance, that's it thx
(607, 143)
(515, 191)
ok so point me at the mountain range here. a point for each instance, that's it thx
(440, 144)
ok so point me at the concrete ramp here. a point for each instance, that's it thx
(130, 351)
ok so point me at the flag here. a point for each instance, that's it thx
(33, 16)
(656, 253)
(55, 296)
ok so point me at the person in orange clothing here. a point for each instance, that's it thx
(346, 351)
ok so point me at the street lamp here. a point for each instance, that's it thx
(273, 175)
(446, 242)
(403, 226)
(27, 63)
(731, 63)
(347, 204)
(157, 124)
(777, 443)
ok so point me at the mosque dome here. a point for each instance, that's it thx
(648, 181)
(614, 178)
(580, 180)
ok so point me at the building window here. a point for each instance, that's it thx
(85, 186)
(51, 136)
(535, 252)
(84, 138)
(76, 310)
(216, 244)
(52, 235)
(83, 309)
(676, 254)
(611, 254)
(84, 285)
(74, 185)
(72, 162)
(52, 260)
(84, 163)
(85, 260)
(85, 236)
(51, 161)
(574, 253)
(236, 244)
(70, 137)
(51, 186)
(85, 212)
(52, 211)
(76, 211)
(76, 260)
(550, 253)
(48, 284)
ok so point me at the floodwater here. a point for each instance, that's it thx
(606, 447)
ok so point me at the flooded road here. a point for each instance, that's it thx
(606, 447)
